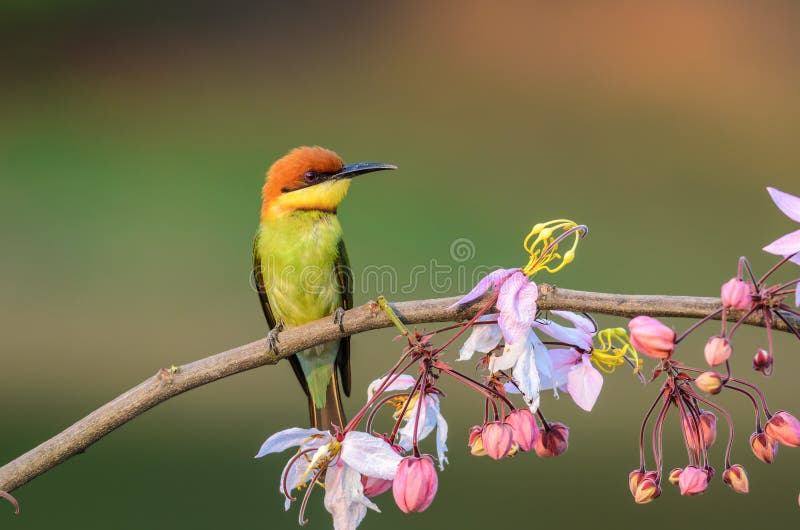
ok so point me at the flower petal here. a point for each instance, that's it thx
(788, 203)
(493, 279)
(280, 441)
(517, 305)
(786, 245)
(426, 424)
(344, 497)
(441, 439)
(573, 336)
(482, 339)
(584, 383)
(293, 476)
(797, 296)
(579, 321)
(526, 374)
(562, 361)
(402, 382)
(510, 356)
(370, 455)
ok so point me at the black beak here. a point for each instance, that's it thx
(353, 170)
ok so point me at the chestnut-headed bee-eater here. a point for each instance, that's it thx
(301, 268)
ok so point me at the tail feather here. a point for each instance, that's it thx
(332, 412)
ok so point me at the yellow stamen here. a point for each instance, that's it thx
(543, 248)
(615, 348)
(322, 457)
(399, 402)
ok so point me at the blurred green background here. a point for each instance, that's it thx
(133, 145)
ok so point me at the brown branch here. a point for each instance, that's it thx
(168, 383)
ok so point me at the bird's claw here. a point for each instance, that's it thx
(338, 318)
(272, 337)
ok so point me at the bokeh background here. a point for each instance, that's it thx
(134, 137)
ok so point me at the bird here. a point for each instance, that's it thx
(301, 269)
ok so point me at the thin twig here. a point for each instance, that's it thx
(168, 383)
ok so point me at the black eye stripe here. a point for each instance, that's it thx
(315, 179)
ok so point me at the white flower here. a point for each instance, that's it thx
(483, 339)
(430, 416)
(344, 462)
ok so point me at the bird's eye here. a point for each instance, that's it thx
(310, 176)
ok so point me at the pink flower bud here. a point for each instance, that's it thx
(736, 294)
(675, 475)
(784, 428)
(764, 447)
(634, 478)
(651, 337)
(375, 486)
(693, 481)
(736, 478)
(707, 425)
(762, 362)
(646, 491)
(553, 442)
(415, 483)
(498, 439)
(524, 427)
(718, 350)
(710, 382)
(475, 442)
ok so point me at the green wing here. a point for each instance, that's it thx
(262, 296)
(344, 277)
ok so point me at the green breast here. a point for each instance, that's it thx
(298, 259)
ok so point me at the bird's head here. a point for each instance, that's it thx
(310, 178)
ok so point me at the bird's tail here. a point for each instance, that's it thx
(330, 413)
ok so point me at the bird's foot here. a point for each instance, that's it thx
(272, 337)
(338, 318)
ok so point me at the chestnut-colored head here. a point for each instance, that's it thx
(310, 178)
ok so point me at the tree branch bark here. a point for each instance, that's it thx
(168, 383)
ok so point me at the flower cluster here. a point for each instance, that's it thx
(521, 351)
(690, 390)
(355, 465)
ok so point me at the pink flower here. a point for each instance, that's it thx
(498, 439)
(553, 441)
(516, 301)
(693, 481)
(646, 491)
(524, 427)
(718, 350)
(764, 447)
(736, 293)
(789, 244)
(736, 478)
(534, 366)
(763, 361)
(784, 428)
(651, 337)
(584, 383)
(707, 424)
(415, 483)
(375, 486)
(474, 442)
(344, 461)
(710, 382)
